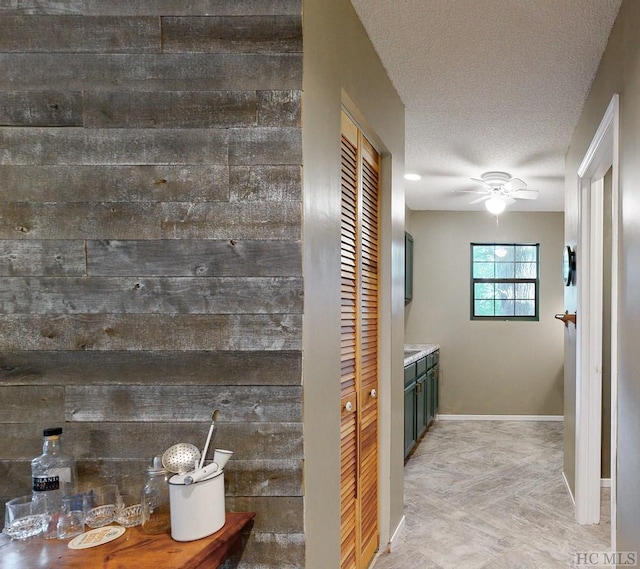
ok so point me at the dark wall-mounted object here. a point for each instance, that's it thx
(568, 266)
(408, 268)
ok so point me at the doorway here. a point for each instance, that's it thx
(600, 158)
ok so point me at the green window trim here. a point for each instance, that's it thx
(505, 281)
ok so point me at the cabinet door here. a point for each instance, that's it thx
(436, 390)
(421, 404)
(430, 396)
(409, 418)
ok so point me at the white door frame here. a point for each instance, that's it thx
(601, 155)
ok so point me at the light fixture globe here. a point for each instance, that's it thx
(495, 205)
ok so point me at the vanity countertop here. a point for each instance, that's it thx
(413, 352)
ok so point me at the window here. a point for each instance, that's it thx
(504, 281)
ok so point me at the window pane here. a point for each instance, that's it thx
(483, 253)
(526, 253)
(504, 253)
(526, 270)
(504, 308)
(525, 308)
(505, 290)
(483, 308)
(483, 290)
(505, 271)
(483, 271)
(525, 291)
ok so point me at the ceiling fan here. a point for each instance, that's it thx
(499, 190)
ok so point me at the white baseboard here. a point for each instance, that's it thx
(566, 485)
(453, 417)
(396, 534)
(605, 482)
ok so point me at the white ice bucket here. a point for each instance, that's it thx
(197, 510)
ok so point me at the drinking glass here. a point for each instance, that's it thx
(130, 512)
(105, 500)
(19, 522)
(72, 517)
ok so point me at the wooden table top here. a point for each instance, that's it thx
(134, 549)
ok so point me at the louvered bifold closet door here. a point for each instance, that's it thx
(368, 368)
(349, 522)
(359, 344)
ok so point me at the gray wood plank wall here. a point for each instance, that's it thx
(150, 255)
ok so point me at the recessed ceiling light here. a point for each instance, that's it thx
(413, 177)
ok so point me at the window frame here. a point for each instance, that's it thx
(535, 281)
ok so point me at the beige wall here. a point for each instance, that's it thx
(341, 67)
(619, 72)
(497, 367)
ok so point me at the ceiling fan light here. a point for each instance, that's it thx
(495, 205)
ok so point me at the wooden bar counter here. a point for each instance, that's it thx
(133, 550)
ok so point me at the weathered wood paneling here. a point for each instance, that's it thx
(239, 220)
(175, 109)
(153, 7)
(170, 403)
(150, 250)
(73, 34)
(132, 295)
(257, 447)
(251, 34)
(117, 183)
(265, 146)
(33, 403)
(40, 108)
(42, 146)
(279, 515)
(264, 477)
(247, 71)
(195, 258)
(280, 108)
(108, 332)
(42, 258)
(270, 551)
(149, 367)
(118, 220)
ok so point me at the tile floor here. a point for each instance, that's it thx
(490, 495)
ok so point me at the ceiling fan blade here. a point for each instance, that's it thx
(484, 184)
(478, 200)
(514, 185)
(469, 191)
(525, 194)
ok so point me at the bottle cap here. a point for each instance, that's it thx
(52, 432)
(156, 466)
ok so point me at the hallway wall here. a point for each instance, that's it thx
(487, 367)
(619, 72)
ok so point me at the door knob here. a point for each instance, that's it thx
(374, 393)
(348, 407)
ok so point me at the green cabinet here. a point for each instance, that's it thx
(408, 268)
(421, 395)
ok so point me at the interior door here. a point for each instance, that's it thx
(359, 348)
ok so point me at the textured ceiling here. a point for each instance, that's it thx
(488, 85)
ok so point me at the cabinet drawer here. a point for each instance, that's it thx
(409, 374)
(430, 361)
(436, 357)
(421, 366)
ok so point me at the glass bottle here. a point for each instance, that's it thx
(156, 516)
(53, 476)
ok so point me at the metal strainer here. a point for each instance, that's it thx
(181, 458)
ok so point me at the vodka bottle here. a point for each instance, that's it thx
(53, 474)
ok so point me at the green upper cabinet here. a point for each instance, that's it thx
(408, 268)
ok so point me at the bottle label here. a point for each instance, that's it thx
(45, 483)
(53, 480)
